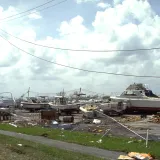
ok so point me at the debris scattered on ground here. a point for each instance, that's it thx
(96, 129)
(19, 145)
(96, 121)
(23, 123)
(97, 125)
(62, 126)
(130, 141)
(87, 121)
(62, 135)
(130, 118)
(122, 157)
(54, 122)
(13, 125)
(32, 124)
(68, 119)
(99, 141)
(135, 156)
(155, 118)
(140, 156)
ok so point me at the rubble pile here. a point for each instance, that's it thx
(136, 156)
(155, 118)
(96, 129)
(130, 119)
(23, 123)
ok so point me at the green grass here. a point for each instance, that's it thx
(9, 150)
(89, 139)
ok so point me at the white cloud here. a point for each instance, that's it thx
(85, 1)
(113, 28)
(116, 1)
(7, 13)
(103, 5)
(74, 25)
(35, 15)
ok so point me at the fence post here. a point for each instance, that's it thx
(147, 139)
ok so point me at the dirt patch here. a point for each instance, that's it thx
(15, 149)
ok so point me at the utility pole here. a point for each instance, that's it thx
(28, 91)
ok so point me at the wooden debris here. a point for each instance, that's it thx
(122, 157)
(140, 156)
(155, 119)
(130, 119)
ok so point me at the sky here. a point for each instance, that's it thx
(79, 24)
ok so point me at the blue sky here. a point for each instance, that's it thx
(54, 16)
(64, 12)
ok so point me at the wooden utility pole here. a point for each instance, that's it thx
(28, 91)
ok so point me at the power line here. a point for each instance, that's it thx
(81, 69)
(83, 50)
(35, 11)
(27, 10)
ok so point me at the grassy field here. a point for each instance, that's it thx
(10, 150)
(89, 139)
